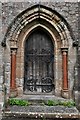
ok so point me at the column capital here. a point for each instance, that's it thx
(13, 47)
(64, 49)
(13, 50)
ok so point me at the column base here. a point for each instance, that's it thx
(13, 93)
(65, 93)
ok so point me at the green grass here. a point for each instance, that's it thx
(70, 103)
(18, 102)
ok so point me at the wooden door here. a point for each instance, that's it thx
(38, 63)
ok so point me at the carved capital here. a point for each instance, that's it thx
(13, 50)
(64, 49)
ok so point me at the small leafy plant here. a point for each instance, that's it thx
(51, 103)
(18, 102)
(58, 102)
(67, 103)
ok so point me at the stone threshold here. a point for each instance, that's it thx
(40, 98)
(39, 112)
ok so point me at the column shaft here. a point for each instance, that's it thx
(13, 70)
(65, 70)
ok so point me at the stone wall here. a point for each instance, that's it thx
(9, 10)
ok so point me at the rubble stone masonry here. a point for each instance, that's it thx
(69, 11)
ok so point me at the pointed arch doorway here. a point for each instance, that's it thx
(38, 63)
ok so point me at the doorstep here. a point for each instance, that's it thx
(38, 112)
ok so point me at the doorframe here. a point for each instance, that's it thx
(53, 38)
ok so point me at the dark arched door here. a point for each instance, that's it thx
(38, 63)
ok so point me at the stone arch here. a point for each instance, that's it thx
(53, 23)
(38, 12)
